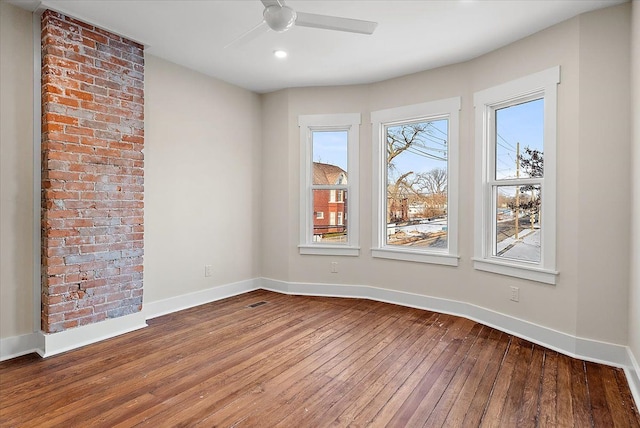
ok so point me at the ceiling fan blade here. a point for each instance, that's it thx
(268, 3)
(335, 23)
(245, 38)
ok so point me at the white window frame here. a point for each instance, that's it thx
(320, 215)
(308, 124)
(539, 85)
(447, 108)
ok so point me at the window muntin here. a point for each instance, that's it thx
(515, 161)
(416, 183)
(329, 156)
(415, 192)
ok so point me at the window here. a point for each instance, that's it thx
(320, 215)
(416, 182)
(329, 183)
(516, 173)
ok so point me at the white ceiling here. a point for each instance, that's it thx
(411, 35)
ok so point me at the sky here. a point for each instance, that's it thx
(521, 123)
(524, 124)
(330, 147)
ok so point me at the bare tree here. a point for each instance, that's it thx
(433, 182)
(414, 136)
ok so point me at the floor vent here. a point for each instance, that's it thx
(255, 305)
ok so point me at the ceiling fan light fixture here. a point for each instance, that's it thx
(280, 54)
(279, 18)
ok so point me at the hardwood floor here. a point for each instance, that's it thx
(313, 362)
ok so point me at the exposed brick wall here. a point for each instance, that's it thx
(92, 174)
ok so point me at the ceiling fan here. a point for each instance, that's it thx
(279, 17)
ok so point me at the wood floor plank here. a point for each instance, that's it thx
(302, 387)
(384, 374)
(406, 399)
(66, 374)
(528, 409)
(180, 370)
(254, 370)
(598, 396)
(432, 338)
(452, 392)
(487, 349)
(493, 410)
(312, 361)
(564, 391)
(433, 385)
(348, 384)
(582, 411)
(482, 394)
(260, 382)
(548, 392)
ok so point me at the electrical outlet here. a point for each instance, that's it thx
(515, 294)
(334, 267)
(208, 269)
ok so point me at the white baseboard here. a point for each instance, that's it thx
(586, 349)
(56, 343)
(185, 301)
(16, 346)
(633, 377)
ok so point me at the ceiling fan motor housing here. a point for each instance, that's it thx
(279, 18)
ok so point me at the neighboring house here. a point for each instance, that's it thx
(329, 206)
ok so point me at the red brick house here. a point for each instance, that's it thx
(329, 206)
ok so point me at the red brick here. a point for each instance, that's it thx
(73, 93)
(60, 118)
(78, 313)
(57, 99)
(61, 270)
(63, 156)
(87, 132)
(92, 178)
(94, 36)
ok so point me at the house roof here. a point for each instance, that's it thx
(324, 173)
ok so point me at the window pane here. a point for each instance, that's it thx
(417, 184)
(329, 228)
(519, 140)
(519, 240)
(329, 157)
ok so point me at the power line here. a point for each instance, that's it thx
(506, 142)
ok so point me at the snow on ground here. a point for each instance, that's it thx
(526, 248)
(427, 227)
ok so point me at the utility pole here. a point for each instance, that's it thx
(517, 189)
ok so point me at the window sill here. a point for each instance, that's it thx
(329, 250)
(415, 256)
(531, 273)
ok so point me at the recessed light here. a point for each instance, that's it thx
(280, 54)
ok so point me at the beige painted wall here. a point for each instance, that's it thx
(634, 297)
(202, 175)
(16, 172)
(274, 221)
(586, 284)
(604, 146)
